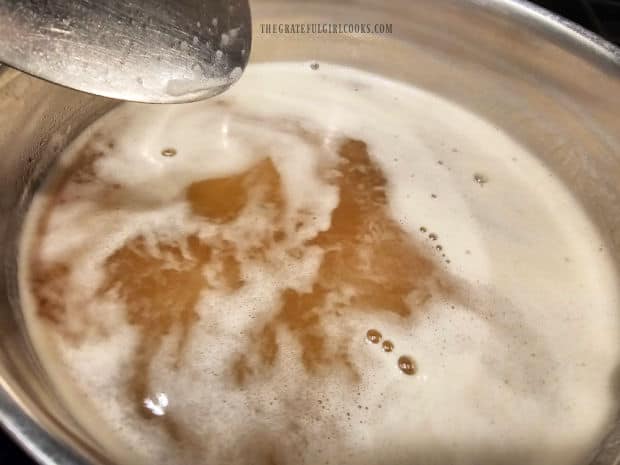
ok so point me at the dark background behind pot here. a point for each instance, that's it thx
(600, 16)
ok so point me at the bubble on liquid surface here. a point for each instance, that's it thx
(169, 152)
(388, 346)
(314, 66)
(373, 336)
(480, 179)
(406, 365)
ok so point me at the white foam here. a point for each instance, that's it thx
(528, 382)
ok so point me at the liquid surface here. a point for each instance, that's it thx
(321, 266)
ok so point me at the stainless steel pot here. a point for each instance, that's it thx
(551, 85)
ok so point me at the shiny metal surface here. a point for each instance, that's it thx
(550, 85)
(142, 50)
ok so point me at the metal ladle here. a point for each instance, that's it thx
(156, 51)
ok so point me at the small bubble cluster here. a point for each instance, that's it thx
(405, 363)
(314, 66)
(434, 237)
